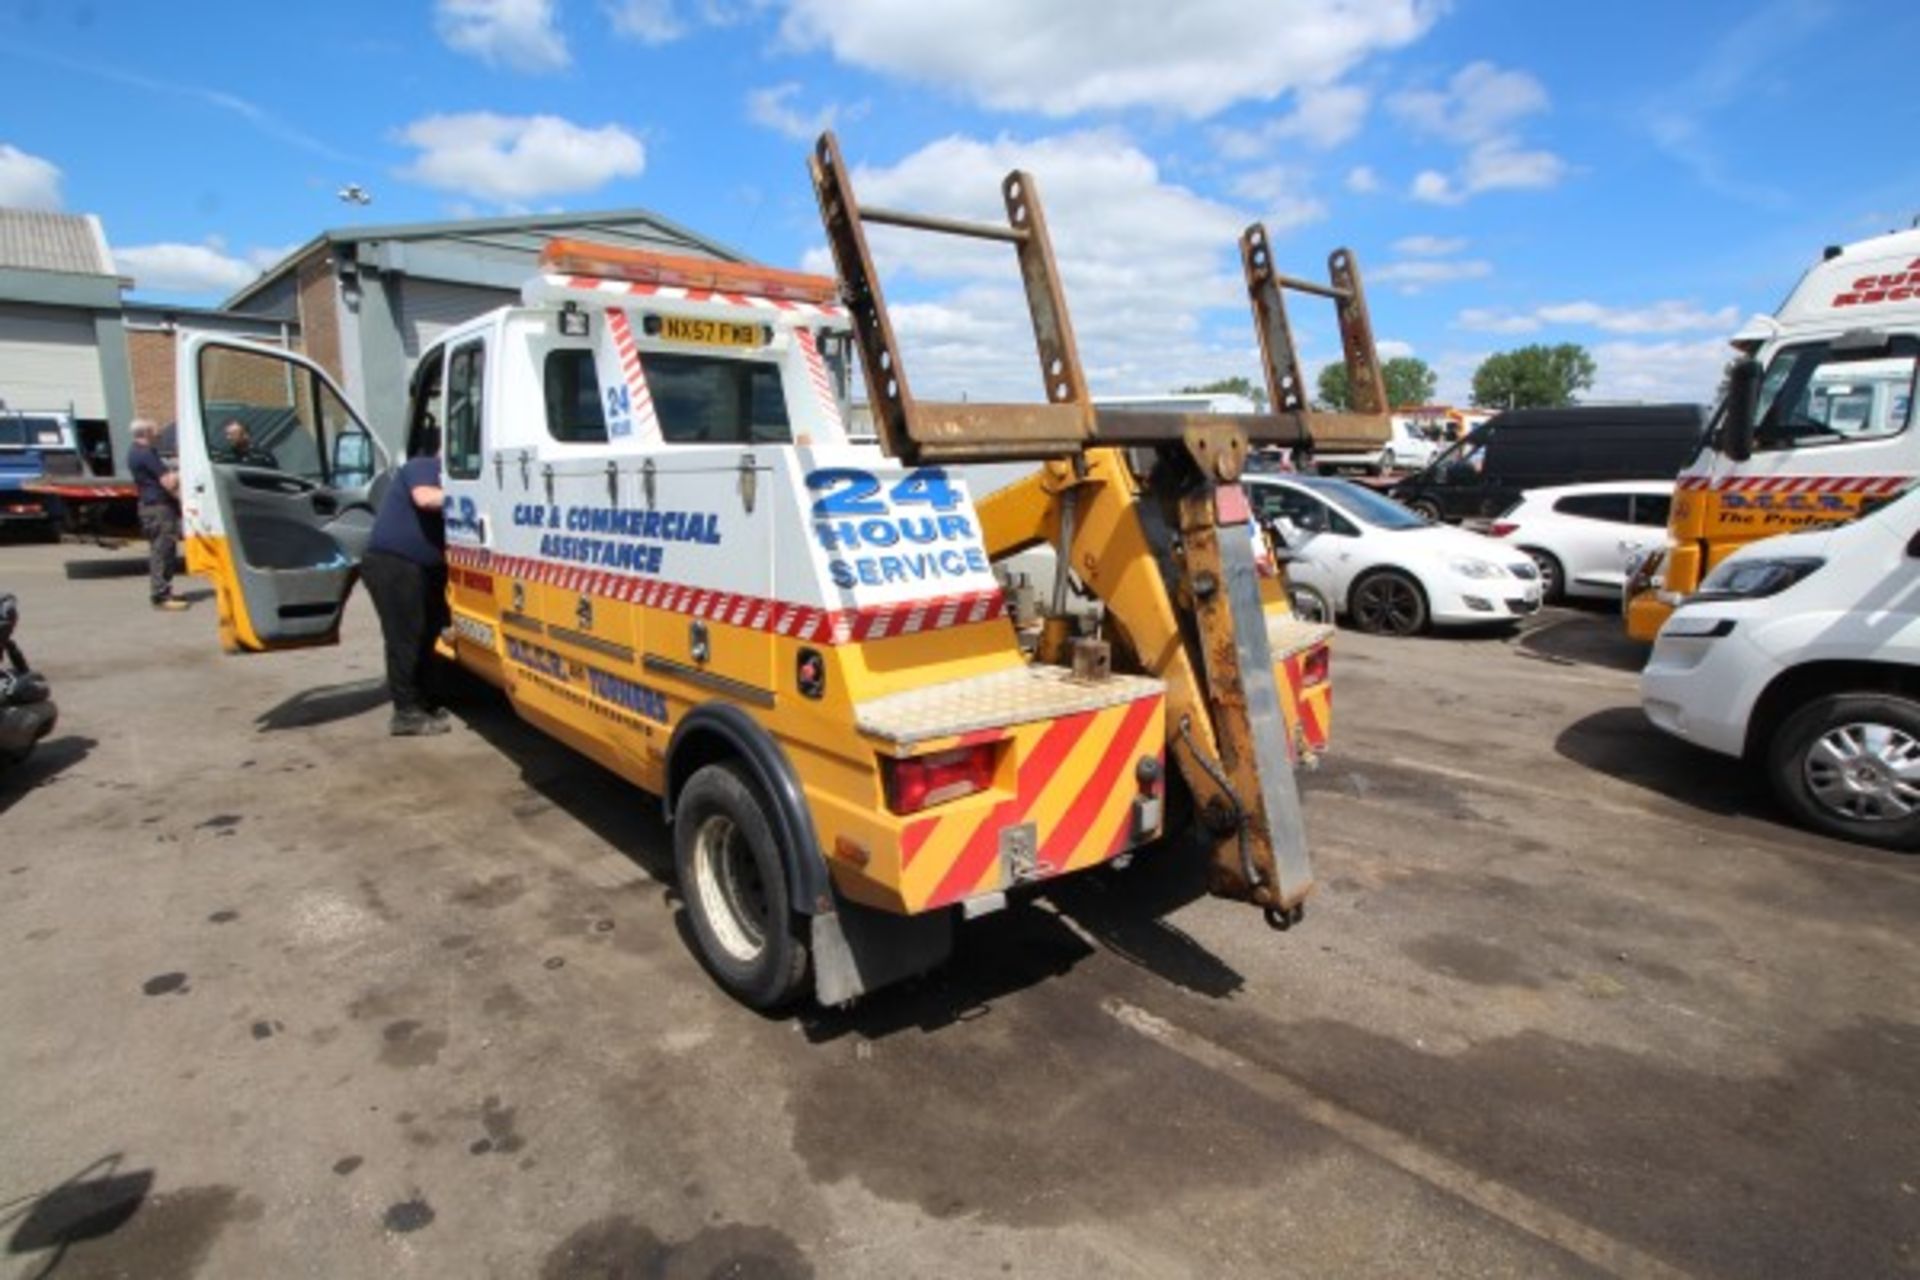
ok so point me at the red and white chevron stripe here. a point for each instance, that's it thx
(639, 400)
(817, 373)
(778, 617)
(1870, 486)
(638, 289)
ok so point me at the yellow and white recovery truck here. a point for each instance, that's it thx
(663, 548)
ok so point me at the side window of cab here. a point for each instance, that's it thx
(466, 407)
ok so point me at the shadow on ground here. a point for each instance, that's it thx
(1621, 744)
(102, 1222)
(50, 758)
(324, 705)
(1583, 636)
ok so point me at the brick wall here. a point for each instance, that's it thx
(150, 361)
(320, 314)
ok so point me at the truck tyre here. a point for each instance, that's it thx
(735, 888)
(1848, 765)
(1553, 578)
(1388, 602)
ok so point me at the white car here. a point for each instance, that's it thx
(1582, 535)
(1355, 554)
(1408, 448)
(1802, 654)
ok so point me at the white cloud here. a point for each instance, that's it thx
(1323, 117)
(1362, 180)
(648, 21)
(1480, 110)
(1429, 246)
(1666, 316)
(1150, 267)
(1415, 274)
(1280, 192)
(1487, 320)
(1659, 371)
(1392, 348)
(514, 159)
(774, 108)
(521, 35)
(1433, 187)
(1069, 56)
(1480, 102)
(192, 268)
(27, 181)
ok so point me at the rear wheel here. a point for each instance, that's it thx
(1388, 602)
(1426, 508)
(1309, 604)
(735, 888)
(1553, 578)
(1848, 764)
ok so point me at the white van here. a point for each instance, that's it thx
(1801, 653)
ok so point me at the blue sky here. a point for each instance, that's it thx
(1636, 176)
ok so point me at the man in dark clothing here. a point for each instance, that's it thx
(158, 487)
(241, 450)
(405, 569)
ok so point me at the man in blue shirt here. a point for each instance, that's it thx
(405, 569)
(158, 502)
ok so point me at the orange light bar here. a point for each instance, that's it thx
(616, 262)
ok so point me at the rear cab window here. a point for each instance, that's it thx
(697, 398)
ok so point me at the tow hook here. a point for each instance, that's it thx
(1281, 919)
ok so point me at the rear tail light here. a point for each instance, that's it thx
(920, 782)
(1315, 667)
(1501, 528)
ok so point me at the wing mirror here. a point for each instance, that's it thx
(352, 460)
(1743, 388)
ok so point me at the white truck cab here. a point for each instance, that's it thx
(1801, 653)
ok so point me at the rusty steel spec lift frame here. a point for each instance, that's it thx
(1165, 547)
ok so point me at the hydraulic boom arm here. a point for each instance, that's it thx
(1145, 508)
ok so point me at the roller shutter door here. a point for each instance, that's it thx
(49, 359)
(428, 308)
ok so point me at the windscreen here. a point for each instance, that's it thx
(1813, 396)
(1362, 504)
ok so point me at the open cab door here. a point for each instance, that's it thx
(277, 521)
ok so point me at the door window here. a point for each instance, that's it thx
(466, 391)
(429, 403)
(288, 416)
(1279, 502)
(1652, 509)
(1616, 507)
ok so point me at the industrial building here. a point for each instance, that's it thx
(366, 301)
(363, 302)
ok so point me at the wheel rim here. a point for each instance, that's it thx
(1549, 573)
(1307, 604)
(1865, 772)
(733, 897)
(1388, 604)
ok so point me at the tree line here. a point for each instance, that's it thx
(1536, 376)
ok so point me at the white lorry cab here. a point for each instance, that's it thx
(1816, 425)
(664, 548)
(1801, 653)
